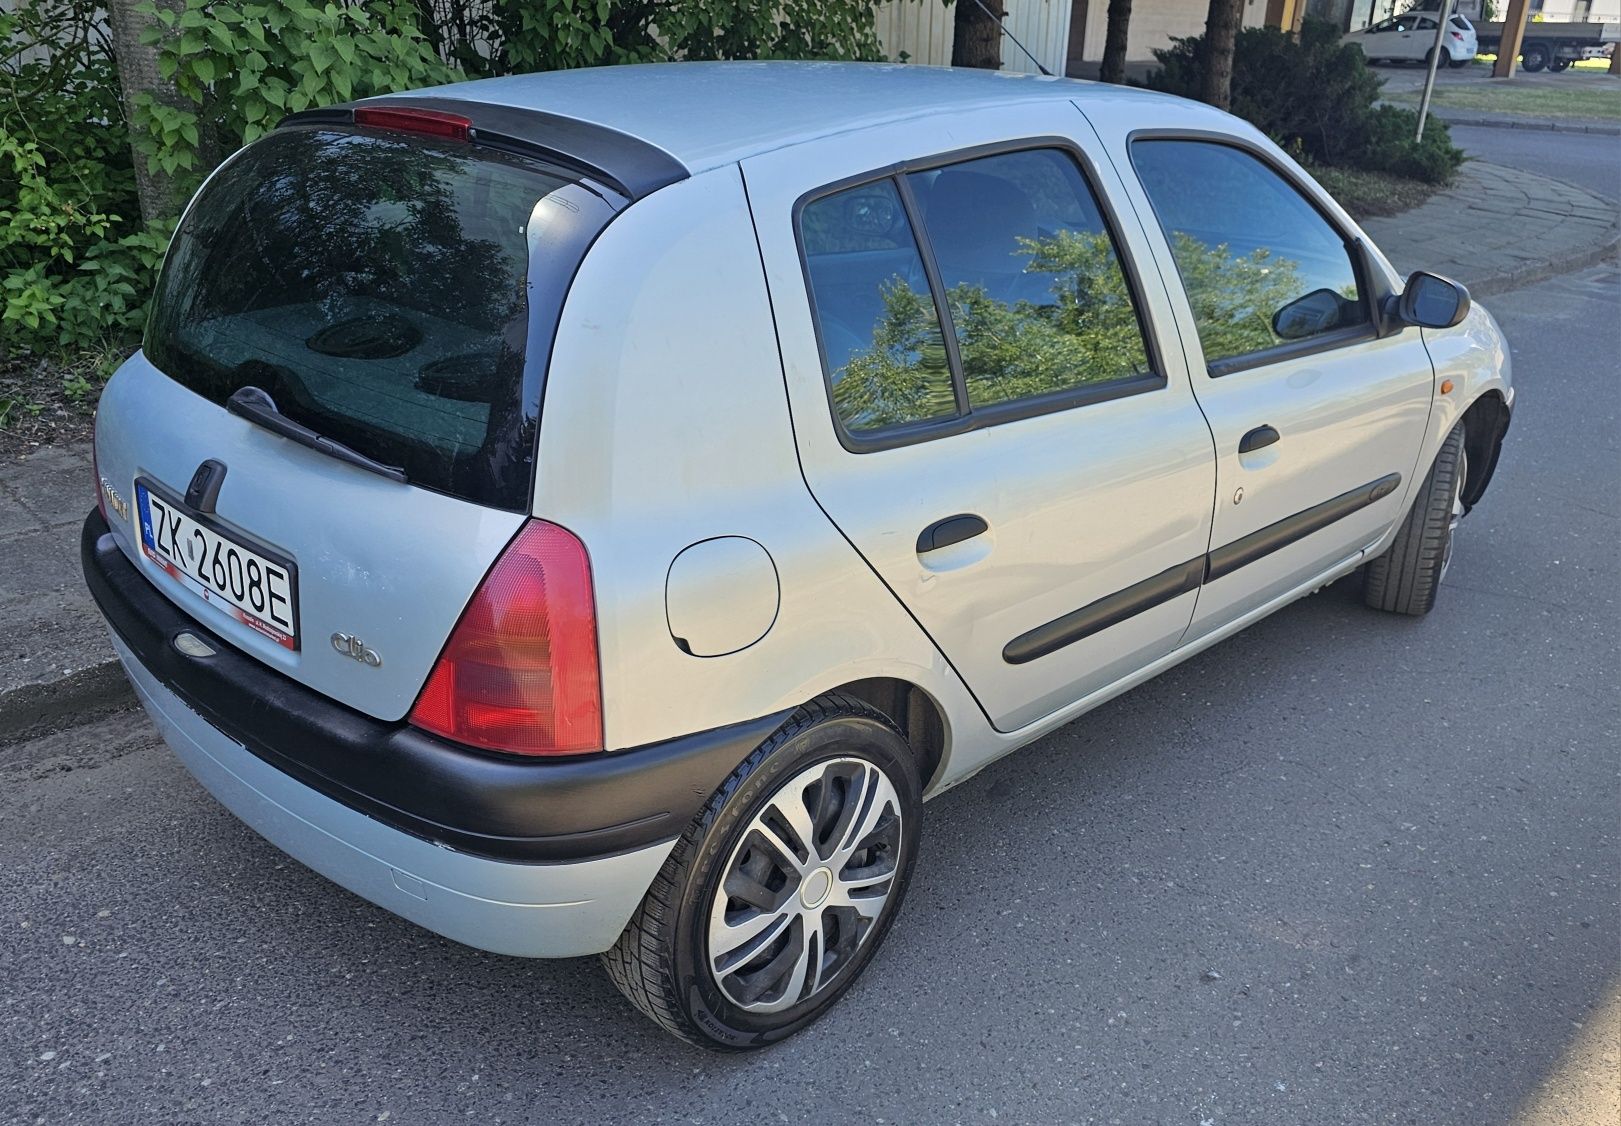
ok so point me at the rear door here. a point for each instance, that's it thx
(980, 402)
(394, 294)
(1318, 421)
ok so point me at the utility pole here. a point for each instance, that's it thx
(1442, 17)
(1508, 45)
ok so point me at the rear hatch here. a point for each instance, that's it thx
(329, 435)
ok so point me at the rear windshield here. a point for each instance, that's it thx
(380, 288)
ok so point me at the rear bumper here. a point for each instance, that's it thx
(529, 910)
(544, 858)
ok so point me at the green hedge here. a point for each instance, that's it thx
(1317, 97)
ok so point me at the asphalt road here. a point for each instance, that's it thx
(1344, 868)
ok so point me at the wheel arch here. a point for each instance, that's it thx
(1485, 423)
(918, 714)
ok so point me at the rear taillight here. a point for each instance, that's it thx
(519, 673)
(430, 122)
(1457, 35)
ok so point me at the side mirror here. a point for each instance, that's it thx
(1431, 301)
(1315, 313)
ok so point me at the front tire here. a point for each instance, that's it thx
(1406, 578)
(783, 887)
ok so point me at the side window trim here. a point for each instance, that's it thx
(969, 419)
(937, 289)
(1368, 289)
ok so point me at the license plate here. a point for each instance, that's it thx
(249, 583)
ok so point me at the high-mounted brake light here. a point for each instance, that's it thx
(519, 673)
(430, 122)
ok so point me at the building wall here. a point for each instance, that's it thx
(921, 31)
(1153, 24)
(1570, 11)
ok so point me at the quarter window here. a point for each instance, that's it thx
(1028, 300)
(1038, 300)
(1261, 266)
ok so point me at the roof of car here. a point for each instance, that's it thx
(709, 114)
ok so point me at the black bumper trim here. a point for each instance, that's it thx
(539, 810)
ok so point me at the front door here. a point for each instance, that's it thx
(1318, 421)
(978, 406)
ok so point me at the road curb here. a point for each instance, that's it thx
(1533, 272)
(1539, 125)
(1505, 121)
(69, 701)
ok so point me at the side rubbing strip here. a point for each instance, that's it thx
(1166, 585)
(1226, 560)
(1105, 612)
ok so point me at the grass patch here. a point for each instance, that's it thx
(1572, 94)
(1369, 194)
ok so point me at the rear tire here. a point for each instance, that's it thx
(783, 887)
(1559, 66)
(1535, 57)
(1405, 579)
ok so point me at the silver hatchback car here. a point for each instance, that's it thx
(587, 513)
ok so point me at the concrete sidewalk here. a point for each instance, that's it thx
(56, 664)
(1496, 229)
(1499, 228)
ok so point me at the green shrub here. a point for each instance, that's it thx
(1388, 146)
(76, 263)
(1316, 96)
(245, 66)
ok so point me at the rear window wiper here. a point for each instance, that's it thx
(256, 405)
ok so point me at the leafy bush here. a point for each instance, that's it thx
(76, 263)
(1316, 96)
(247, 65)
(486, 37)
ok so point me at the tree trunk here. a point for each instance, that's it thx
(1220, 33)
(977, 35)
(1114, 42)
(138, 74)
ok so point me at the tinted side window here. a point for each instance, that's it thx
(1260, 265)
(1038, 300)
(881, 335)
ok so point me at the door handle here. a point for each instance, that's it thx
(953, 529)
(1258, 439)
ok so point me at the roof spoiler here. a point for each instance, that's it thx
(631, 166)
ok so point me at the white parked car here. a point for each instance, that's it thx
(1411, 38)
(589, 512)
